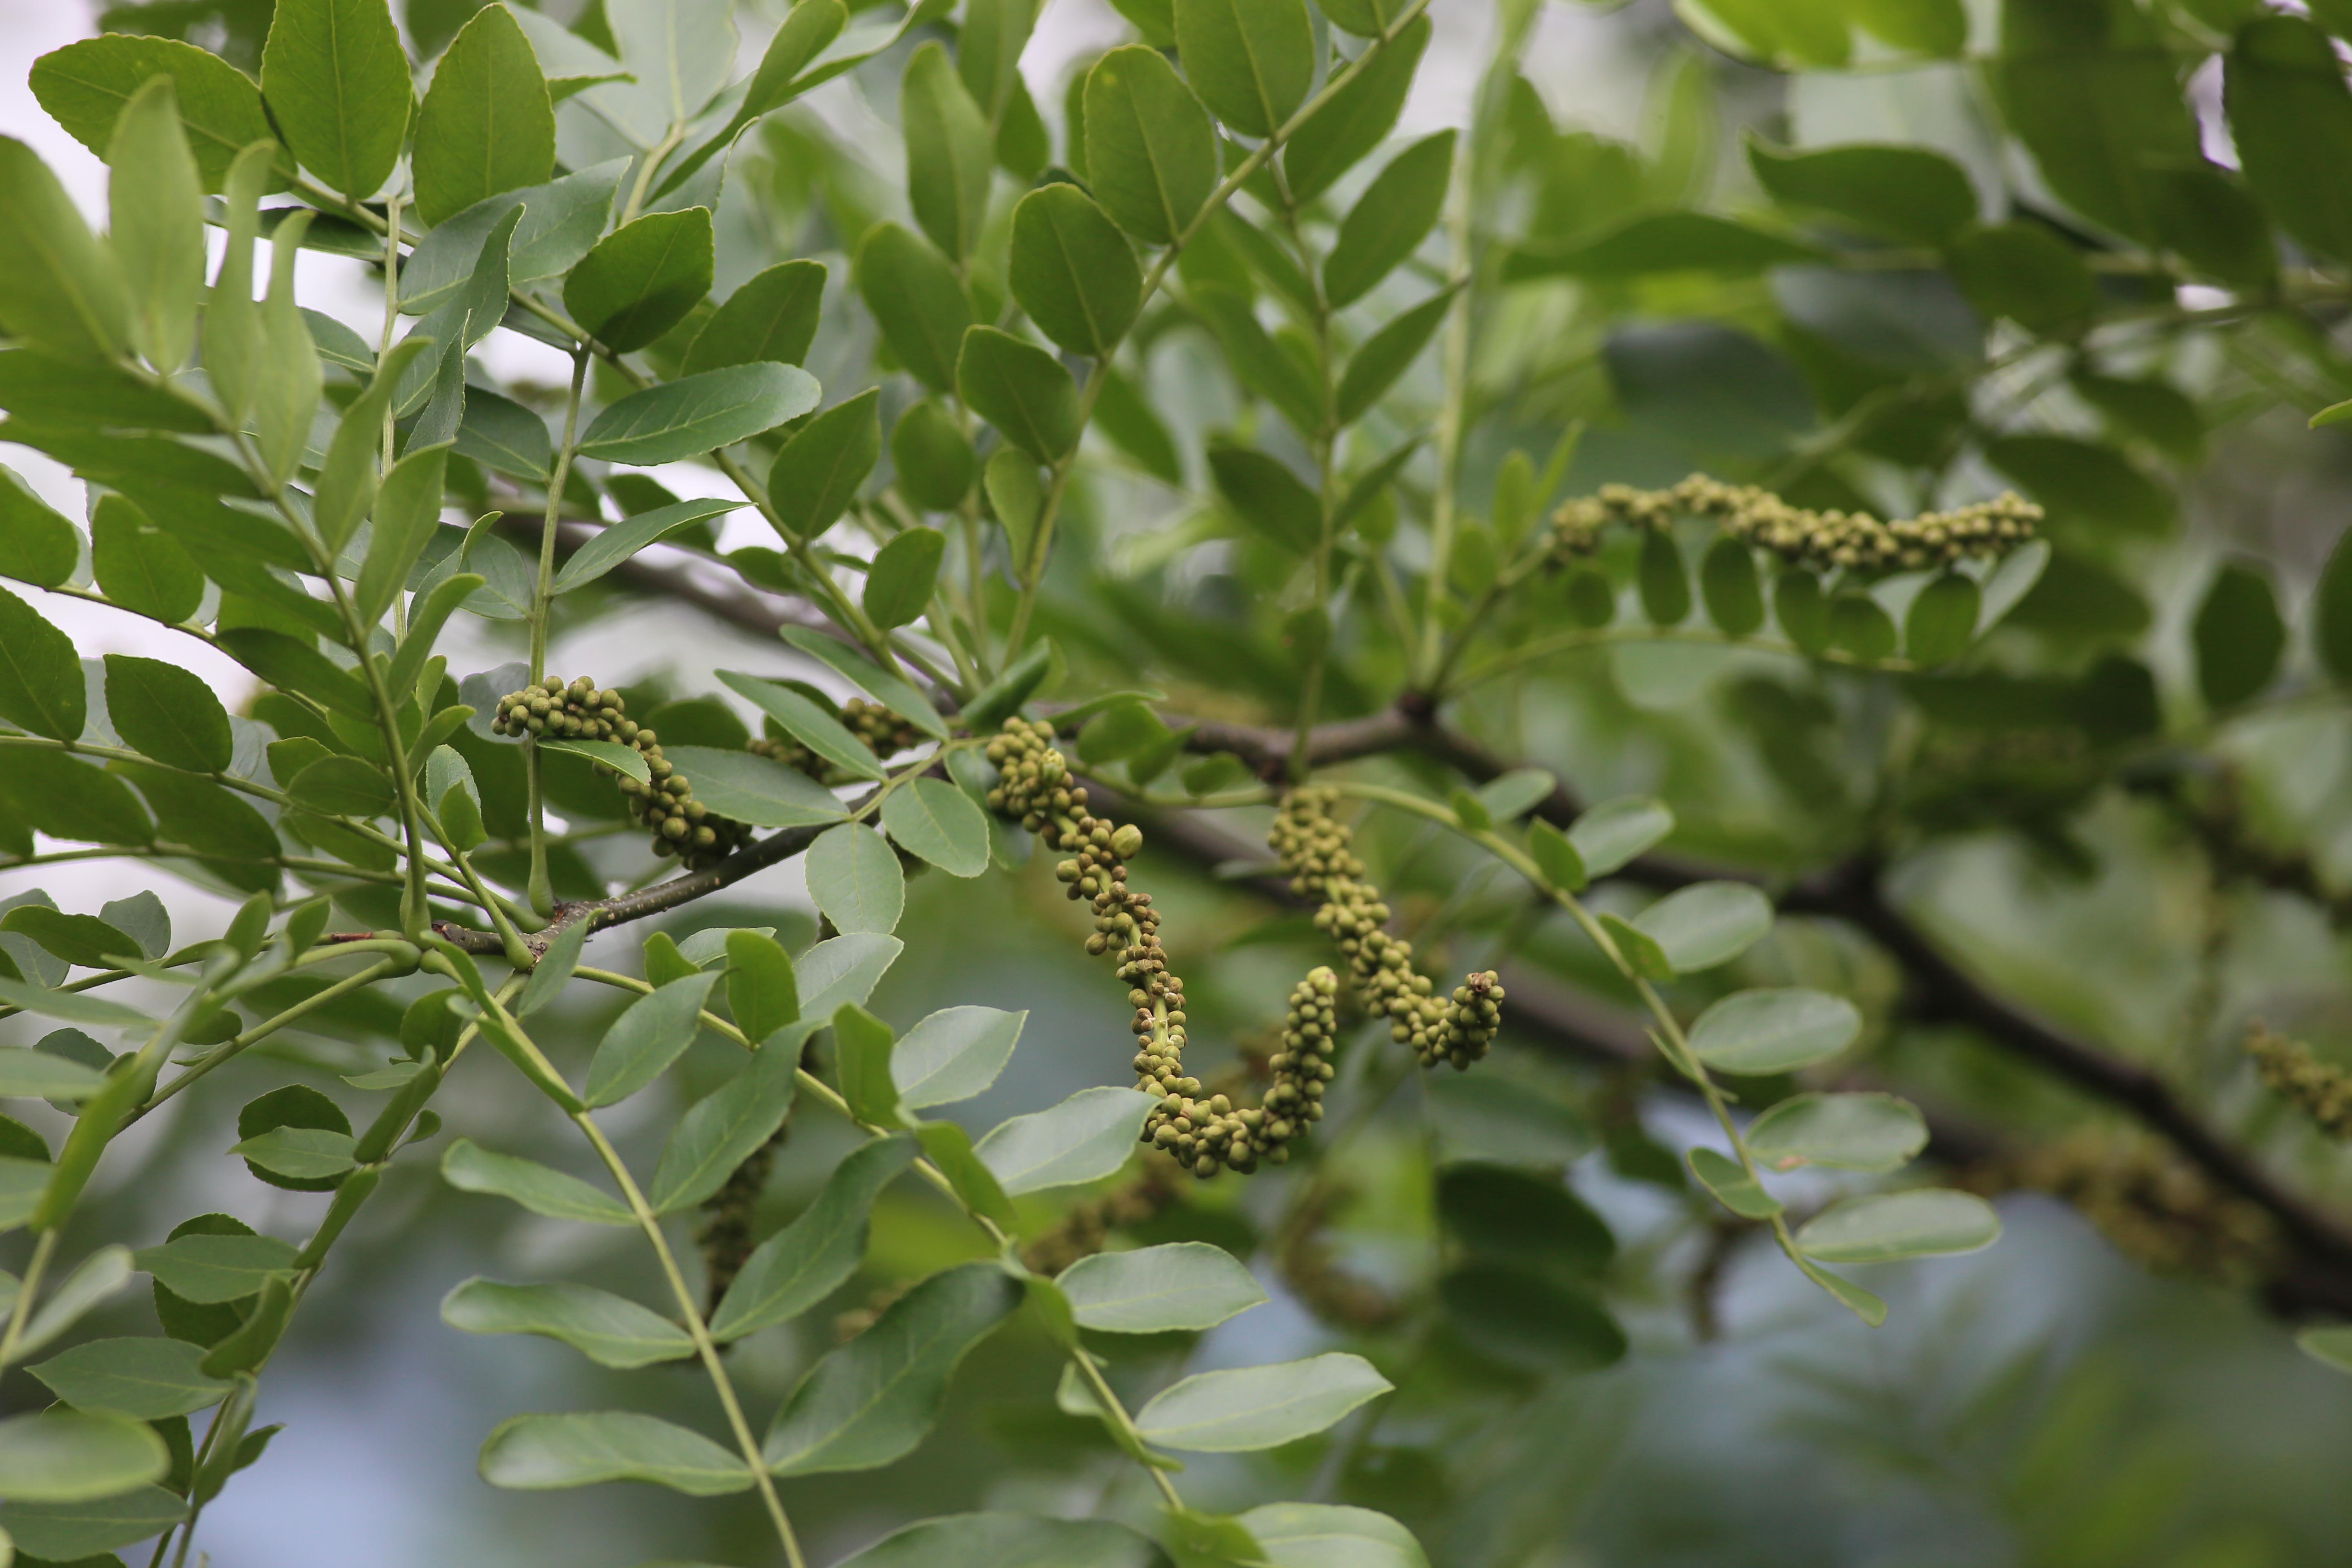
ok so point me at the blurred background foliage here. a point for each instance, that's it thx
(1881, 255)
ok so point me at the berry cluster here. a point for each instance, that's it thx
(681, 825)
(1801, 536)
(2324, 1091)
(1313, 846)
(884, 731)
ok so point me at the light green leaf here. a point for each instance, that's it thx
(1150, 150)
(2332, 1345)
(1015, 496)
(1664, 242)
(1615, 831)
(562, 221)
(547, 1453)
(904, 573)
(806, 723)
(953, 1055)
(762, 993)
(1885, 1227)
(1252, 60)
(1355, 120)
(304, 1153)
(98, 1277)
(76, 1532)
(890, 691)
(85, 87)
(621, 541)
(1072, 271)
(651, 1033)
(680, 419)
(337, 83)
(1557, 858)
(144, 1378)
(470, 1168)
(1842, 1131)
(807, 1260)
(852, 874)
(1021, 390)
(209, 1269)
(1010, 1540)
(72, 1006)
(486, 125)
(862, 1045)
(59, 289)
(916, 301)
(723, 1128)
(951, 156)
(1254, 1407)
(609, 1330)
(155, 202)
(839, 969)
(641, 280)
(342, 786)
(1324, 1535)
(755, 789)
(816, 476)
(1707, 924)
(68, 1457)
(38, 1075)
(1086, 1137)
(933, 819)
(611, 753)
(874, 1399)
(1156, 1289)
(1732, 1185)
(1769, 1031)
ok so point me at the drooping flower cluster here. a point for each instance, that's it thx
(2292, 1073)
(581, 710)
(1314, 848)
(1799, 536)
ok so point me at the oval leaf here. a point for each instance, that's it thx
(1155, 1289)
(1842, 1132)
(935, 820)
(1777, 1030)
(546, 1453)
(681, 419)
(1258, 1407)
(1890, 1226)
(852, 874)
(1707, 924)
(954, 1054)
(1086, 1137)
(607, 1329)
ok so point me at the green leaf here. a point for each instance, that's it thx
(784, 73)
(41, 1074)
(85, 87)
(290, 666)
(1357, 119)
(935, 462)
(69, 1456)
(1612, 833)
(209, 1269)
(1251, 60)
(933, 819)
(1021, 390)
(1526, 1320)
(951, 156)
(686, 418)
(874, 1399)
(1516, 793)
(643, 278)
(1519, 1216)
(1387, 354)
(98, 1277)
(953, 1055)
(506, 438)
(2082, 482)
(1185, 1285)
(1638, 948)
(723, 1128)
(773, 315)
(852, 874)
(1085, 1138)
(753, 789)
(486, 125)
(80, 1533)
(407, 511)
(2334, 414)
(1886, 1227)
(1732, 1186)
(1003, 698)
(762, 991)
(624, 540)
(1150, 150)
(1942, 620)
(1779, 1030)
(806, 723)
(83, 940)
(40, 675)
(1253, 1407)
(609, 1330)
(1839, 1132)
(302, 1153)
(810, 1258)
(862, 1044)
(167, 713)
(562, 222)
(144, 1378)
(817, 475)
(2331, 611)
(1010, 1540)
(343, 787)
(1260, 364)
(337, 83)
(916, 301)
(39, 546)
(59, 289)
(72, 1006)
(139, 567)
(861, 672)
(2332, 1345)
(1324, 1535)
(1908, 194)
(1707, 924)
(1072, 271)
(1729, 585)
(1262, 489)
(904, 573)
(547, 1453)
(1663, 242)
(470, 1168)
(155, 202)
(2022, 272)
(651, 1033)
(1557, 858)
(2238, 635)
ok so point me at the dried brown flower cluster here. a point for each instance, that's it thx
(1799, 536)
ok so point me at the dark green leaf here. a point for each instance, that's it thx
(899, 582)
(809, 1258)
(337, 83)
(1355, 120)
(82, 940)
(1072, 271)
(723, 1128)
(2331, 611)
(934, 463)
(168, 713)
(37, 545)
(213, 1268)
(560, 222)
(2083, 483)
(642, 279)
(889, 690)
(2022, 272)
(85, 86)
(1252, 60)
(143, 1378)
(773, 315)
(762, 991)
(1663, 242)
(342, 786)
(2238, 635)
(1664, 579)
(40, 675)
(818, 473)
(1524, 1319)
(809, 724)
(622, 541)
(1903, 193)
(293, 666)
(1021, 390)
(916, 301)
(1132, 425)
(1151, 151)
(680, 419)
(1387, 354)
(1729, 583)
(1501, 1212)
(486, 125)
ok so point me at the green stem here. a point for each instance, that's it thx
(263, 1030)
(21, 1311)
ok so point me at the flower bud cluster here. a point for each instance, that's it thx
(1085, 1227)
(2292, 1073)
(2155, 1207)
(885, 732)
(1799, 536)
(1314, 849)
(725, 1237)
(681, 825)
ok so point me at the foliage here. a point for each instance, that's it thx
(1217, 448)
